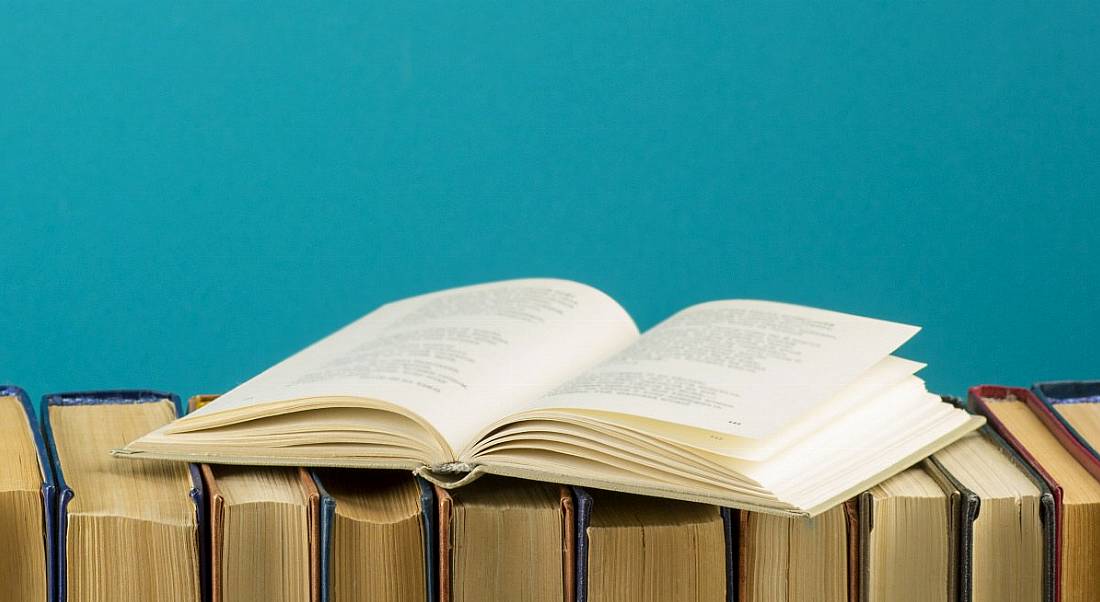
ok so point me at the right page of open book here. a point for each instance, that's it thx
(744, 368)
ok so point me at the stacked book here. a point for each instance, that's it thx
(522, 441)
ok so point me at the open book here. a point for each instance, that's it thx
(749, 404)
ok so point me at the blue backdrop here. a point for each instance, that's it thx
(190, 193)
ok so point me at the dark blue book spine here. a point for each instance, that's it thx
(731, 527)
(428, 516)
(327, 514)
(583, 502)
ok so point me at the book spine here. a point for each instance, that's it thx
(731, 529)
(430, 521)
(326, 515)
(583, 503)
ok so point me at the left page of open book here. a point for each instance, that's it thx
(457, 359)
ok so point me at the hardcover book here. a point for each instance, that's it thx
(1005, 518)
(263, 521)
(506, 539)
(789, 558)
(372, 519)
(1068, 469)
(640, 549)
(27, 502)
(908, 537)
(748, 404)
(125, 531)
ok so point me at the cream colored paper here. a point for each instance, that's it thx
(743, 368)
(460, 358)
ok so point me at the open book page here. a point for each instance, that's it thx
(867, 389)
(460, 358)
(742, 368)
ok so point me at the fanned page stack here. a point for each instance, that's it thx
(749, 404)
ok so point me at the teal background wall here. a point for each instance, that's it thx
(192, 192)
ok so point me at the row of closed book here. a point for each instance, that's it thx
(1009, 513)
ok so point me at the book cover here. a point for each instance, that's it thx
(959, 505)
